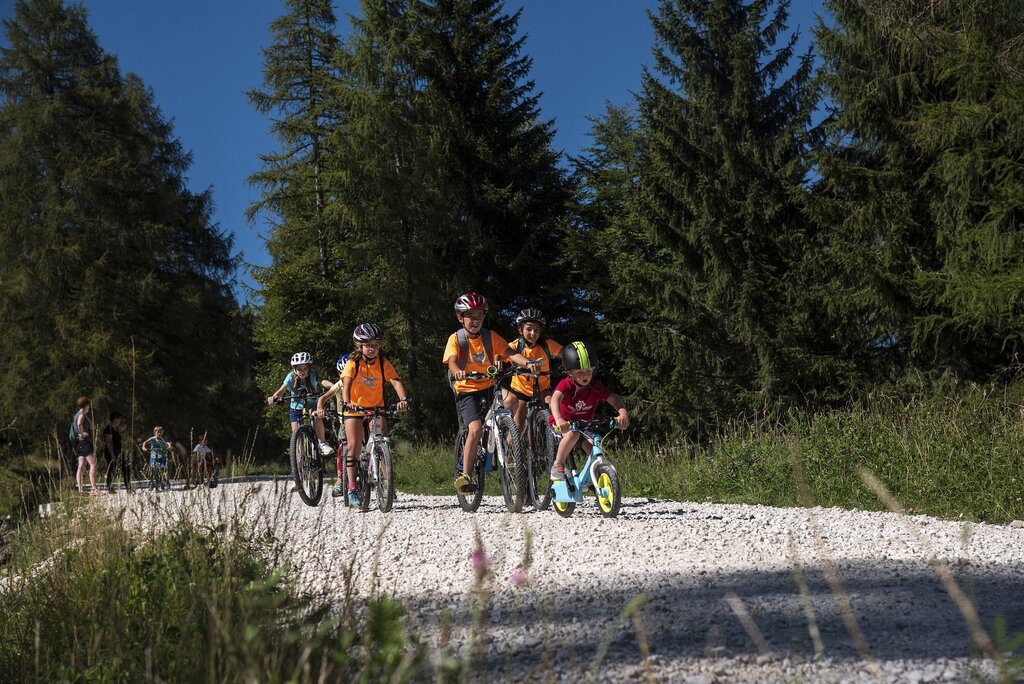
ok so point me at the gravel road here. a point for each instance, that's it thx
(709, 592)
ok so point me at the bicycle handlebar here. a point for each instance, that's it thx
(591, 425)
(290, 397)
(374, 410)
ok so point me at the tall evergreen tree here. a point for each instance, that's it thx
(723, 322)
(110, 270)
(302, 305)
(508, 198)
(923, 179)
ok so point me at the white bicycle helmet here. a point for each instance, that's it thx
(299, 358)
(530, 314)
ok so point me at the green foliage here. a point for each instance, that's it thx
(189, 605)
(922, 180)
(113, 274)
(717, 305)
(440, 179)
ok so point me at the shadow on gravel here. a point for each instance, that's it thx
(902, 611)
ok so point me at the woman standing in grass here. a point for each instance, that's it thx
(84, 427)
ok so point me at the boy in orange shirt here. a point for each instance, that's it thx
(473, 349)
(362, 384)
(543, 350)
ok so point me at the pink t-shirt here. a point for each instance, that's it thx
(580, 403)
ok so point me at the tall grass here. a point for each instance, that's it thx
(956, 457)
(191, 604)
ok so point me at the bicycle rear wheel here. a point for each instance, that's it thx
(471, 502)
(513, 471)
(385, 477)
(307, 466)
(542, 457)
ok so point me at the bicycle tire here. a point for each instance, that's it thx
(365, 486)
(344, 480)
(542, 457)
(472, 502)
(307, 466)
(385, 477)
(513, 470)
(608, 479)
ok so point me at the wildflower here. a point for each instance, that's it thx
(478, 559)
(518, 578)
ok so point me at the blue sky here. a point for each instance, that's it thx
(201, 56)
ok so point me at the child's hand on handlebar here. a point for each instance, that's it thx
(271, 399)
(622, 420)
(563, 425)
(403, 405)
(459, 374)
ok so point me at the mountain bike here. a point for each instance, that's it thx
(597, 473)
(501, 438)
(539, 446)
(375, 466)
(304, 455)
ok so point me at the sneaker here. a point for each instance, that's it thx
(353, 498)
(326, 449)
(337, 491)
(464, 486)
(557, 472)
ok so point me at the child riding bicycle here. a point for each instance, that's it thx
(531, 345)
(474, 348)
(362, 384)
(300, 382)
(157, 447)
(576, 398)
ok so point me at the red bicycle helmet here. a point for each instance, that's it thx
(469, 302)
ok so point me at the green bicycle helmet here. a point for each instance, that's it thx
(576, 356)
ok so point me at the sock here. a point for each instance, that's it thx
(351, 486)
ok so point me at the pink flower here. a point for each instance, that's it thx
(518, 578)
(478, 559)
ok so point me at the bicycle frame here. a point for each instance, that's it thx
(571, 489)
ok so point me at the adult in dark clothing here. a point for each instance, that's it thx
(112, 450)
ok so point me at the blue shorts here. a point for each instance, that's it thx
(294, 415)
(158, 461)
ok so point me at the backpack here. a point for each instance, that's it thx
(73, 432)
(462, 339)
(520, 345)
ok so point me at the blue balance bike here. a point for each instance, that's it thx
(597, 474)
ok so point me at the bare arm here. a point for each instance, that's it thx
(280, 391)
(403, 404)
(556, 409)
(623, 418)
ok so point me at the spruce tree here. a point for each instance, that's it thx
(301, 303)
(723, 323)
(922, 181)
(114, 282)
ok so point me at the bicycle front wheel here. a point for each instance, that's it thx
(385, 477)
(609, 492)
(307, 467)
(540, 461)
(513, 471)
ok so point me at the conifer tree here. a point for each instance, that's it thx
(922, 181)
(723, 322)
(113, 281)
(302, 306)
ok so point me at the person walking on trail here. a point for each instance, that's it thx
(112, 450)
(82, 428)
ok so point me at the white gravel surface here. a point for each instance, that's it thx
(668, 591)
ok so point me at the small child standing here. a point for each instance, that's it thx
(157, 447)
(576, 398)
(204, 463)
(362, 384)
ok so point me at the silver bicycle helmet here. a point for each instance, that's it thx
(365, 332)
(530, 315)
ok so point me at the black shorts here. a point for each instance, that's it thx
(473, 405)
(522, 397)
(83, 448)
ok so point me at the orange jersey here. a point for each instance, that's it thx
(524, 383)
(367, 389)
(477, 360)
